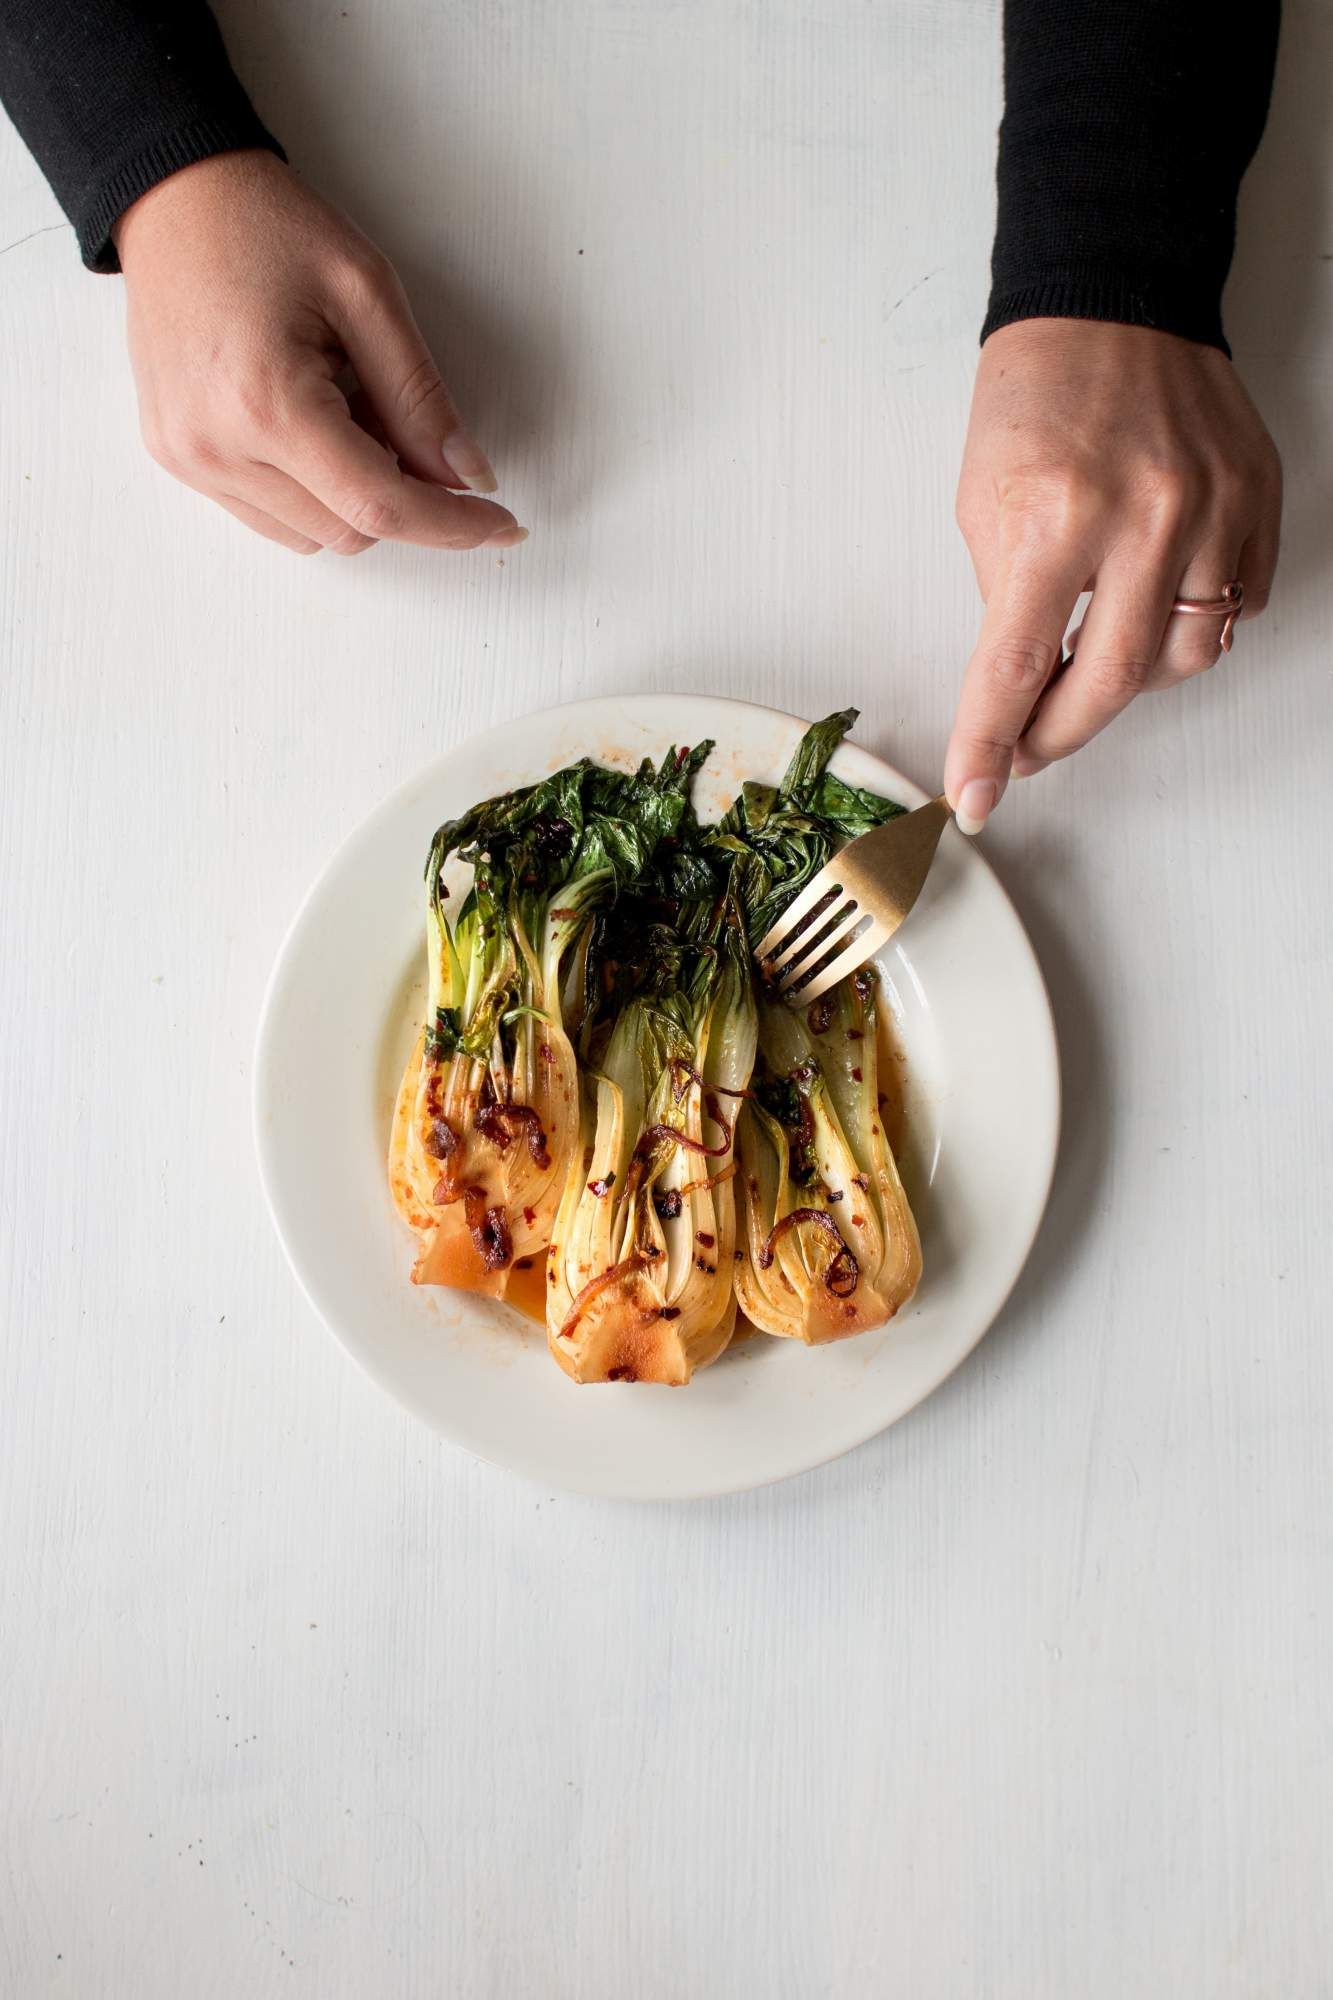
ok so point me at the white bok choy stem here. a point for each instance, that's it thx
(641, 1267)
(829, 1244)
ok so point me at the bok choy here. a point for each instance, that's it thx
(640, 1279)
(488, 1111)
(607, 1119)
(829, 1244)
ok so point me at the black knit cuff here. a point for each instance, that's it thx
(1169, 308)
(185, 145)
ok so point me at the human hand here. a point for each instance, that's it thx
(1106, 458)
(247, 296)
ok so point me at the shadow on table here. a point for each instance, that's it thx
(505, 369)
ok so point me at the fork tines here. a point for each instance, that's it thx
(821, 935)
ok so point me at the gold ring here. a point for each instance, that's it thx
(1227, 607)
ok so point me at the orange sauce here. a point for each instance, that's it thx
(525, 1290)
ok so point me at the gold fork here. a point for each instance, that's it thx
(852, 907)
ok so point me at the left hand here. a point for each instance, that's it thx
(247, 296)
(1106, 458)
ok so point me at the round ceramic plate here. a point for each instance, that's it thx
(981, 1115)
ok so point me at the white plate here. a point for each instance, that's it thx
(343, 1005)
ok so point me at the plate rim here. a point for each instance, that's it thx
(364, 1354)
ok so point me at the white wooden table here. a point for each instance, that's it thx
(1030, 1699)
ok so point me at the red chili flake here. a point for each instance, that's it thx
(602, 1186)
(855, 1035)
(702, 1236)
(564, 913)
(820, 1015)
(546, 1052)
(529, 1216)
(856, 1076)
(859, 1180)
(550, 1277)
(858, 1222)
(702, 1264)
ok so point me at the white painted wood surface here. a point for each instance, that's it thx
(1030, 1698)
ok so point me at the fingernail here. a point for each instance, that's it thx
(505, 538)
(470, 462)
(975, 802)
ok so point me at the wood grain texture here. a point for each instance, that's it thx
(1027, 1699)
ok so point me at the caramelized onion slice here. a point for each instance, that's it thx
(843, 1271)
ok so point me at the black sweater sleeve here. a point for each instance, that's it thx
(113, 95)
(1127, 127)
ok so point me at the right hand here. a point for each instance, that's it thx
(247, 295)
(1109, 458)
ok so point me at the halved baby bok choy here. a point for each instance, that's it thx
(487, 1117)
(829, 1244)
(642, 1263)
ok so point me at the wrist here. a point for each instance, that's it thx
(1052, 340)
(179, 199)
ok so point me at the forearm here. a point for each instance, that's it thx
(1127, 127)
(111, 96)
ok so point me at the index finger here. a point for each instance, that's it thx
(1031, 601)
(361, 483)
